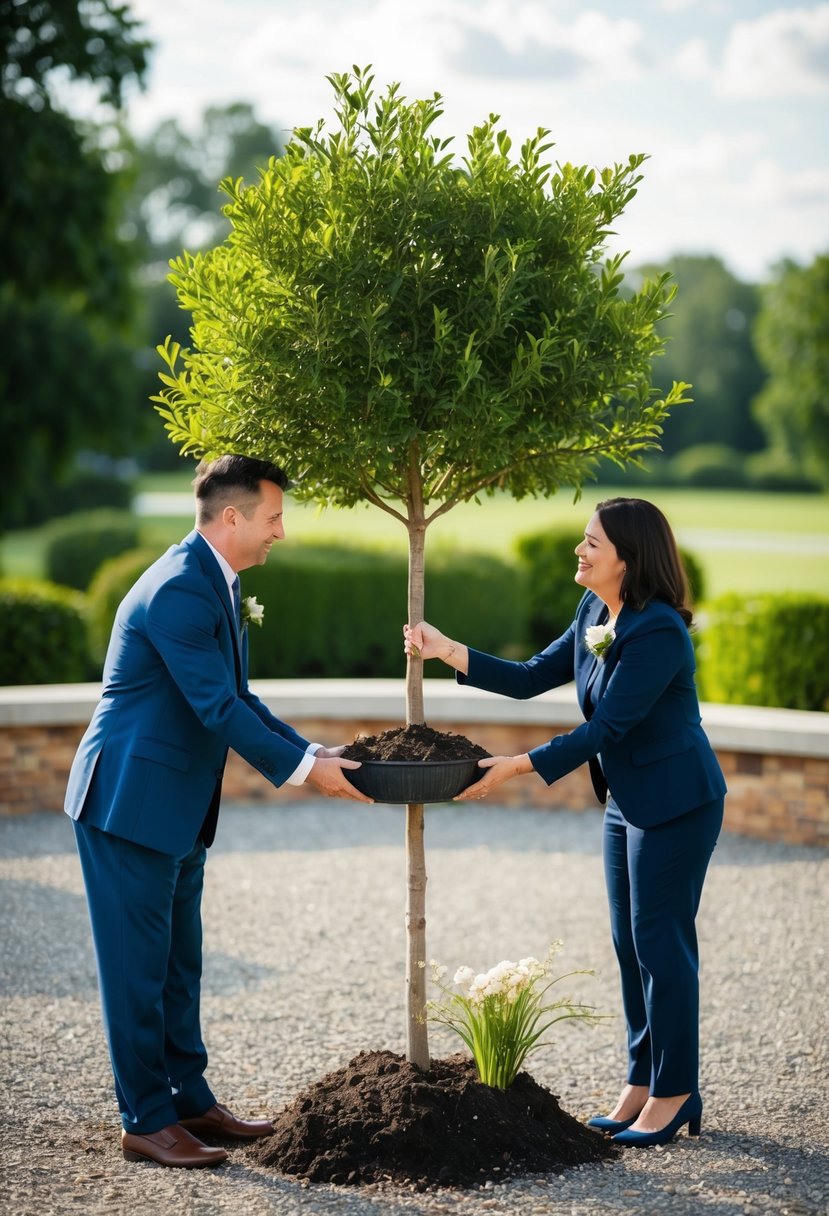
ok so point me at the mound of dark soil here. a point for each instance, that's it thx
(382, 1119)
(414, 743)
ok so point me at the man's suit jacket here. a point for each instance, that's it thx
(641, 706)
(175, 697)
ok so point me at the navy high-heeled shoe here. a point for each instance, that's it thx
(690, 1112)
(604, 1124)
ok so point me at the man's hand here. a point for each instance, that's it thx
(328, 777)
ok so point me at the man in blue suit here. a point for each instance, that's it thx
(144, 793)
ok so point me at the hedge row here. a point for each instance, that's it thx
(338, 612)
(43, 634)
(766, 650)
(77, 545)
(716, 466)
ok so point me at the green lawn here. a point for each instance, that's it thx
(746, 541)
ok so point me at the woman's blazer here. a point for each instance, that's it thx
(643, 733)
(175, 697)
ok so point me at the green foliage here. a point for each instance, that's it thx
(67, 375)
(766, 650)
(397, 326)
(66, 381)
(111, 583)
(42, 634)
(779, 472)
(95, 40)
(712, 465)
(548, 563)
(709, 340)
(792, 335)
(79, 544)
(337, 612)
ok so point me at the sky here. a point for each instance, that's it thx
(728, 98)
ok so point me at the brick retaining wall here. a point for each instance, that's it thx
(776, 762)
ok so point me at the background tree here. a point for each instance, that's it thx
(709, 339)
(792, 334)
(67, 376)
(398, 328)
(173, 203)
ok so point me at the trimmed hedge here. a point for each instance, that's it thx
(338, 612)
(43, 638)
(548, 562)
(712, 465)
(77, 545)
(766, 650)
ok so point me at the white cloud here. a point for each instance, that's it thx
(693, 60)
(527, 39)
(784, 53)
(666, 77)
(769, 184)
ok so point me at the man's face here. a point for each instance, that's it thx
(256, 532)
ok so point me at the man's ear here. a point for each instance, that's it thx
(229, 516)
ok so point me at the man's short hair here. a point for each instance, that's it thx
(232, 481)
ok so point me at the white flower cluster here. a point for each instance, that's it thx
(506, 979)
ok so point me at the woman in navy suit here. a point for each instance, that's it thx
(632, 659)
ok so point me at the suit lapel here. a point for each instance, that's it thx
(214, 574)
(594, 673)
(605, 669)
(587, 666)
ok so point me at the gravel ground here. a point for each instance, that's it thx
(304, 968)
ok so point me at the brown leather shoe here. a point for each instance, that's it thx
(219, 1123)
(173, 1146)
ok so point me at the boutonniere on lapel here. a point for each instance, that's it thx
(253, 613)
(598, 639)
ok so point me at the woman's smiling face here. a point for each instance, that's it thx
(600, 568)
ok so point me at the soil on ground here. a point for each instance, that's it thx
(381, 1118)
(414, 743)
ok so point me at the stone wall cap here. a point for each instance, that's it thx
(745, 728)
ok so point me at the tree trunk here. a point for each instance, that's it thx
(417, 1036)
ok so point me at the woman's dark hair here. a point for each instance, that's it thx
(233, 479)
(644, 541)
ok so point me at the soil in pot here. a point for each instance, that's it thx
(382, 1119)
(415, 742)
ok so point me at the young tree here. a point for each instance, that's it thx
(403, 329)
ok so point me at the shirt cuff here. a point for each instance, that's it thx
(305, 765)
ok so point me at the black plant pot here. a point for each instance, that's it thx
(414, 780)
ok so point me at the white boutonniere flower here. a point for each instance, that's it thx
(598, 639)
(253, 613)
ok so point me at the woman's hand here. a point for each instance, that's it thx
(498, 770)
(426, 642)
